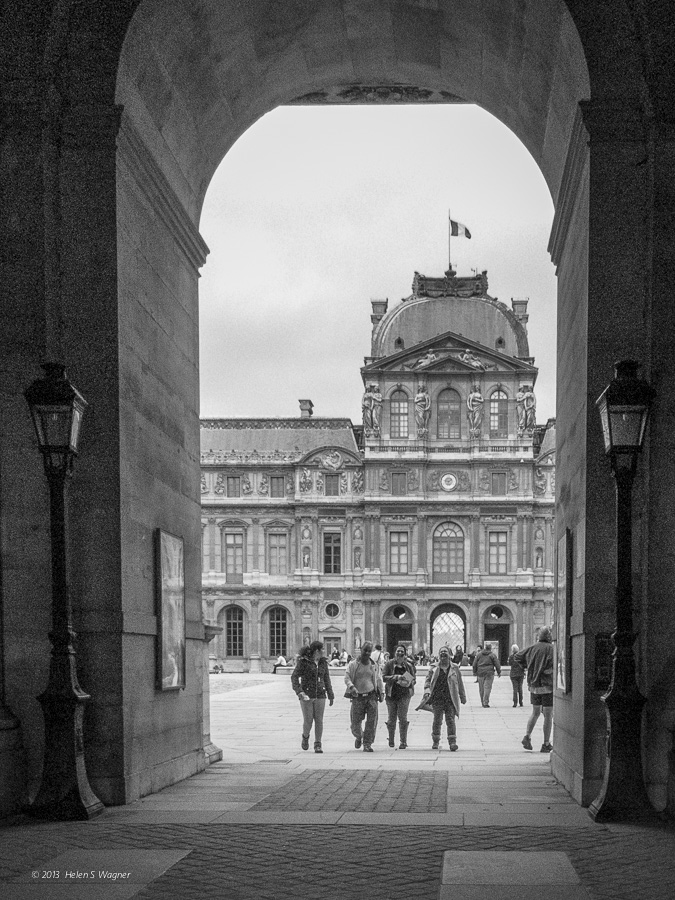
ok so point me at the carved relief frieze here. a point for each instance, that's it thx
(463, 481)
(343, 483)
(204, 488)
(514, 483)
(357, 481)
(381, 93)
(319, 482)
(484, 480)
(264, 484)
(434, 481)
(413, 480)
(539, 481)
(290, 484)
(246, 486)
(384, 480)
(221, 484)
(305, 481)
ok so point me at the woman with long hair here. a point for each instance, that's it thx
(311, 682)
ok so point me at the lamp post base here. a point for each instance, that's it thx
(65, 793)
(623, 796)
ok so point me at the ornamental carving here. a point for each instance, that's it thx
(384, 481)
(413, 480)
(332, 460)
(553, 482)
(385, 94)
(463, 481)
(205, 489)
(484, 482)
(246, 486)
(434, 481)
(319, 482)
(306, 557)
(357, 481)
(264, 486)
(290, 484)
(343, 483)
(539, 482)
(221, 484)
(305, 481)
(357, 557)
(513, 480)
(358, 533)
(306, 533)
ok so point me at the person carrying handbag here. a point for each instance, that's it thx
(444, 691)
(399, 685)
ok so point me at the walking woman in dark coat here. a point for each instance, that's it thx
(517, 674)
(311, 682)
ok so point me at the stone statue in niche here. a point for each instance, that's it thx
(357, 481)
(422, 410)
(539, 558)
(368, 404)
(306, 557)
(319, 482)
(377, 409)
(357, 557)
(520, 410)
(264, 486)
(305, 481)
(474, 411)
(530, 405)
(246, 486)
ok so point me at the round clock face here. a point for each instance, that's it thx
(448, 482)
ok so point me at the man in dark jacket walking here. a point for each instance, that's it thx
(539, 661)
(485, 665)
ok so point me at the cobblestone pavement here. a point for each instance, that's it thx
(361, 791)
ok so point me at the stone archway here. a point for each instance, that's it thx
(105, 279)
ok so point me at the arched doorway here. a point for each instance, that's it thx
(398, 628)
(130, 250)
(497, 630)
(448, 626)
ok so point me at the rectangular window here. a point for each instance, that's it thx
(278, 554)
(233, 486)
(399, 416)
(499, 483)
(332, 485)
(234, 634)
(234, 557)
(331, 553)
(398, 553)
(277, 486)
(398, 483)
(498, 546)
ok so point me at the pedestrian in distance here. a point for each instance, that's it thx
(517, 675)
(399, 686)
(311, 682)
(538, 659)
(444, 691)
(485, 665)
(365, 690)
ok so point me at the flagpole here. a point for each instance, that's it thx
(449, 237)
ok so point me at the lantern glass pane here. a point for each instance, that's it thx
(75, 429)
(56, 425)
(626, 424)
(604, 420)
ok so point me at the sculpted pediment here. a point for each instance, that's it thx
(447, 353)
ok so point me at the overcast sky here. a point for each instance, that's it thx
(316, 211)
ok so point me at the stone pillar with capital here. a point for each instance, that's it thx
(254, 636)
(212, 753)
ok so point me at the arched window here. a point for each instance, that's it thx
(398, 415)
(449, 416)
(234, 631)
(278, 629)
(448, 553)
(499, 414)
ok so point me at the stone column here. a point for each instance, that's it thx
(349, 623)
(297, 606)
(212, 753)
(422, 528)
(475, 542)
(254, 636)
(349, 552)
(520, 538)
(255, 545)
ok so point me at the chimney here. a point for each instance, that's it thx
(306, 408)
(379, 309)
(519, 307)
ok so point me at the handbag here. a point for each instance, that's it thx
(426, 706)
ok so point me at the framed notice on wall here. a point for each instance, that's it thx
(170, 587)
(563, 612)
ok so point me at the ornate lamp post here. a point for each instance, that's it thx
(57, 409)
(624, 411)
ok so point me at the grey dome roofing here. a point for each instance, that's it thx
(481, 319)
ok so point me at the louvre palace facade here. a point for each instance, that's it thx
(432, 521)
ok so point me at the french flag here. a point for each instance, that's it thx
(459, 230)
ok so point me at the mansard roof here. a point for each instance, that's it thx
(460, 304)
(450, 353)
(270, 440)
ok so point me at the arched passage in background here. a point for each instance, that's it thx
(448, 626)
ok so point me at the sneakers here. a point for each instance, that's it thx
(367, 748)
(526, 742)
(453, 746)
(305, 742)
(546, 748)
(357, 743)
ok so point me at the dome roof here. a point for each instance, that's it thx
(460, 305)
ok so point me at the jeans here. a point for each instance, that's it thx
(312, 711)
(364, 708)
(447, 710)
(398, 709)
(485, 687)
(517, 684)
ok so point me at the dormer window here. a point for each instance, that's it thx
(399, 343)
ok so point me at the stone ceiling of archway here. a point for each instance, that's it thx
(195, 74)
